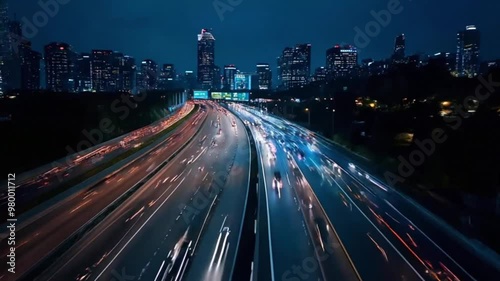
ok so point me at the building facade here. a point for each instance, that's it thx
(264, 76)
(59, 67)
(206, 59)
(341, 61)
(468, 48)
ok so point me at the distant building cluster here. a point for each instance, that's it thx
(65, 70)
(342, 61)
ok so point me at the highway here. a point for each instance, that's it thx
(37, 238)
(139, 238)
(303, 244)
(386, 237)
(214, 257)
(33, 184)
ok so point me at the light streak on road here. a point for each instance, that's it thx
(379, 247)
(79, 206)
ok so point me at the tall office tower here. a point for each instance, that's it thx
(341, 61)
(264, 75)
(399, 49)
(128, 74)
(206, 59)
(468, 46)
(101, 65)
(59, 67)
(301, 65)
(166, 80)
(228, 77)
(83, 73)
(147, 78)
(30, 67)
(285, 68)
(217, 80)
(116, 77)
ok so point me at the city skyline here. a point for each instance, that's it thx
(109, 32)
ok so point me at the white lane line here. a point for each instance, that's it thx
(81, 205)
(158, 274)
(140, 228)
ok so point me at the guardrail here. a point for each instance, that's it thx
(50, 258)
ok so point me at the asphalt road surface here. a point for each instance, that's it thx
(136, 239)
(36, 239)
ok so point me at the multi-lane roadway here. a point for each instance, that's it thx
(36, 238)
(302, 243)
(172, 224)
(386, 237)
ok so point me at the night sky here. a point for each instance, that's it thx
(258, 30)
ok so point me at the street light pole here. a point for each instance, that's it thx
(333, 121)
(308, 117)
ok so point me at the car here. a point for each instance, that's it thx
(176, 261)
(277, 175)
(277, 180)
(301, 154)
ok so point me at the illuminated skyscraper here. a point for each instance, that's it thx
(285, 68)
(30, 67)
(301, 65)
(206, 59)
(468, 47)
(59, 67)
(399, 49)
(228, 77)
(341, 61)
(147, 78)
(264, 75)
(167, 77)
(128, 74)
(83, 73)
(101, 65)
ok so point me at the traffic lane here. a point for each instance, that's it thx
(231, 203)
(441, 253)
(93, 255)
(128, 257)
(375, 254)
(35, 187)
(447, 251)
(40, 237)
(334, 261)
(288, 255)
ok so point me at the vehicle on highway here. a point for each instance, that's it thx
(300, 154)
(277, 180)
(177, 260)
